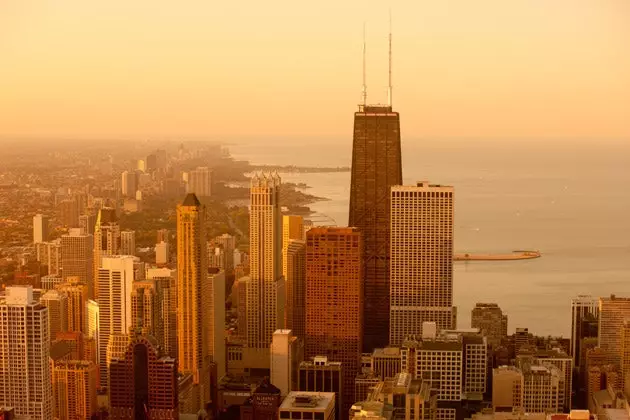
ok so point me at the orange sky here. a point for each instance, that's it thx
(285, 68)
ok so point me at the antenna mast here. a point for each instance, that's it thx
(364, 91)
(389, 86)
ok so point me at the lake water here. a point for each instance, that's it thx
(569, 200)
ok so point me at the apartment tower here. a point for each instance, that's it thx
(40, 228)
(199, 182)
(295, 285)
(25, 382)
(74, 388)
(421, 275)
(192, 275)
(334, 303)
(77, 300)
(106, 238)
(292, 229)
(77, 251)
(265, 288)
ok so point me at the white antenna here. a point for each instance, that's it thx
(364, 92)
(389, 86)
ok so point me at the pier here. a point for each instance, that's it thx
(514, 255)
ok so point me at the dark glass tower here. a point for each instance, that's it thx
(376, 167)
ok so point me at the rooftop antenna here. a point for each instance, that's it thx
(364, 90)
(389, 86)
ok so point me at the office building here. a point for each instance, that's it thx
(543, 387)
(56, 303)
(583, 308)
(164, 280)
(292, 229)
(385, 362)
(40, 228)
(507, 388)
(74, 389)
(265, 289)
(321, 375)
(129, 183)
(51, 281)
(492, 322)
(128, 242)
(295, 285)
(153, 392)
(421, 259)
(115, 278)
(376, 167)
(25, 382)
(559, 359)
(77, 294)
(214, 319)
(364, 384)
(49, 254)
(192, 274)
(86, 223)
(308, 405)
(240, 294)
(625, 355)
(287, 352)
(200, 182)
(68, 211)
(92, 324)
(162, 253)
(77, 252)
(106, 239)
(612, 312)
(334, 303)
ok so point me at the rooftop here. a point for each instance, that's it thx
(191, 200)
(312, 401)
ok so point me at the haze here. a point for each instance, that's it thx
(279, 69)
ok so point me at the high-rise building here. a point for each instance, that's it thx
(106, 239)
(292, 229)
(77, 294)
(162, 253)
(165, 281)
(69, 212)
(385, 362)
(49, 254)
(582, 307)
(286, 356)
(40, 228)
(77, 252)
(334, 303)
(86, 223)
(295, 285)
(51, 281)
(128, 242)
(240, 294)
(74, 388)
(543, 387)
(320, 375)
(115, 278)
(376, 167)
(612, 312)
(153, 391)
(421, 259)
(489, 318)
(129, 183)
(25, 382)
(192, 274)
(308, 405)
(56, 303)
(214, 319)
(265, 292)
(625, 355)
(92, 324)
(559, 359)
(200, 182)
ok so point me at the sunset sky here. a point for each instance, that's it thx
(288, 69)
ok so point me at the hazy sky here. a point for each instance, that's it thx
(265, 69)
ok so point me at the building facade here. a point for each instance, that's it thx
(74, 388)
(492, 322)
(295, 286)
(77, 252)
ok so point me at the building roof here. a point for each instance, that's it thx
(311, 401)
(191, 200)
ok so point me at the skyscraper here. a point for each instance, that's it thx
(214, 319)
(74, 389)
(77, 300)
(264, 309)
(295, 285)
(49, 254)
(421, 275)
(129, 183)
(56, 303)
(165, 283)
(77, 251)
(152, 393)
(106, 239)
(292, 229)
(582, 307)
(334, 303)
(612, 312)
(376, 167)
(199, 182)
(40, 228)
(192, 274)
(128, 242)
(286, 356)
(115, 279)
(25, 382)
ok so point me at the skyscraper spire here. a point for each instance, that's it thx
(389, 85)
(364, 90)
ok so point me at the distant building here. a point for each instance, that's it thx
(153, 391)
(612, 312)
(308, 405)
(507, 388)
(40, 228)
(386, 362)
(582, 308)
(162, 253)
(165, 331)
(562, 361)
(334, 303)
(129, 183)
(49, 254)
(200, 182)
(421, 255)
(24, 368)
(543, 389)
(128, 242)
(106, 240)
(492, 322)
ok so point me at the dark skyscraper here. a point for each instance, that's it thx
(376, 167)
